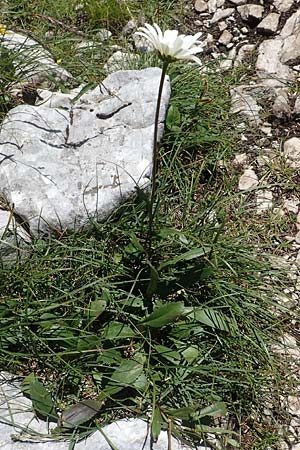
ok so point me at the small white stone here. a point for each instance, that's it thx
(297, 237)
(266, 129)
(201, 6)
(297, 106)
(225, 37)
(238, 2)
(213, 5)
(291, 205)
(222, 26)
(227, 63)
(240, 159)
(245, 52)
(283, 5)
(264, 201)
(248, 180)
(221, 14)
(291, 151)
(251, 13)
(209, 38)
(269, 24)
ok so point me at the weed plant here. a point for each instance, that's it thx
(73, 319)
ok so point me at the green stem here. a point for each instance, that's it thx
(155, 158)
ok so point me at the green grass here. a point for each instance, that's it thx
(74, 318)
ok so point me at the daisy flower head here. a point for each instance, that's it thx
(170, 45)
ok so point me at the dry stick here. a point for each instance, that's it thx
(60, 24)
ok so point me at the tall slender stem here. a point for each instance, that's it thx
(155, 157)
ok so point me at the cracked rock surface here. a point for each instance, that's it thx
(66, 162)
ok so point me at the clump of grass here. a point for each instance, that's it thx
(74, 315)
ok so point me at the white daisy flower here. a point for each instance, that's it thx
(170, 45)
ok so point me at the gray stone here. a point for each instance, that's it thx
(213, 5)
(283, 5)
(269, 24)
(291, 152)
(226, 63)
(269, 66)
(264, 201)
(221, 14)
(222, 26)
(32, 62)
(296, 110)
(201, 6)
(248, 180)
(21, 430)
(251, 14)
(281, 106)
(291, 26)
(68, 165)
(238, 2)
(245, 52)
(121, 61)
(243, 102)
(225, 38)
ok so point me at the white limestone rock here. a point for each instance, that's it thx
(201, 6)
(245, 52)
(281, 107)
(213, 5)
(290, 33)
(291, 151)
(283, 5)
(269, 66)
(296, 110)
(244, 103)
(225, 38)
(30, 433)
(227, 63)
(221, 14)
(269, 24)
(264, 201)
(68, 165)
(238, 2)
(121, 61)
(32, 62)
(248, 180)
(251, 13)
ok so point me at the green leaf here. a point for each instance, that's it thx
(184, 413)
(154, 278)
(173, 118)
(233, 442)
(168, 353)
(156, 424)
(41, 399)
(96, 308)
(164, 314)
(190, 354)
(215, 410)
(80, 413)
(140, 383)
(187, 256)
(117, 330)
(210, 317)
(88, 342)
(127, 373)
